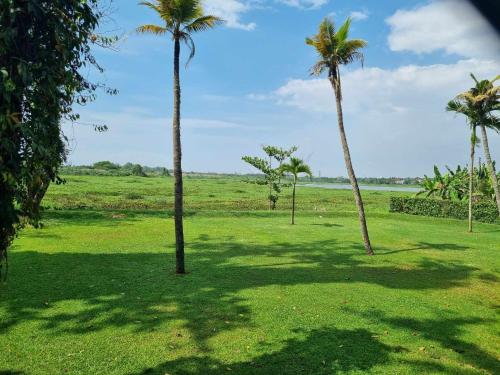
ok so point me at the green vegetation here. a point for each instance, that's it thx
(202, 193)
(454, 185)
(485, 211)
(457, 189)
(92, 292)
(107, 168)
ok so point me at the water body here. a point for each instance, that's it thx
(365, 187)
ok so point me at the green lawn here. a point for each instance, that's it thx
(94, 292)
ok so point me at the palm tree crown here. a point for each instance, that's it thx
(295, 167)
(335, 49)
(479, 103)
(182, 18)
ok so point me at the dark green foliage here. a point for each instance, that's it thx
(44, 44)
(108, 165)
(485, 211)
(107, 168)
(138, 171)
(454, 184)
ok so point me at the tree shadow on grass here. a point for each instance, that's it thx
(427, 246)
(104, 217)
(321, 351)
(446, 332)
(328, 225)
(139, 291)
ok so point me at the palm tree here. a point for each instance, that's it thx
(335, 49)
(295, 167)
(465, 107)
(181, 19)
(485, 97)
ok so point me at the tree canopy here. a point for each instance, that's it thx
(45, 45)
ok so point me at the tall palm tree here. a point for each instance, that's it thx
(181, 18)
(465, 107)
(335, 49)
(485, 97)
(295, 167)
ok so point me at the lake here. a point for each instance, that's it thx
(365, 187)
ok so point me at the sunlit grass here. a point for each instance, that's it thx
(94, 291)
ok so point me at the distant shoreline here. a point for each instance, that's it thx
(372, 187)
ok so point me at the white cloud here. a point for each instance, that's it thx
(383, 90)
(305, 4)
(453, 26)
(231, 11)
(359, 15)
(395, 118)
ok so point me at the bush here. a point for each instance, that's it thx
(483, 211)
(138, 171)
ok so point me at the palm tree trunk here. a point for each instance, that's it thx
(270, 196)
(471, 175)
(271, 204)
(176, 129)
(491, 167)
(293, 200)
(350, 169)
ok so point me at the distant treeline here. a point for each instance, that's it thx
(107, 168)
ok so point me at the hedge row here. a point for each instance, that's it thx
(483, 211)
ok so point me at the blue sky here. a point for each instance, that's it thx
(249, 85)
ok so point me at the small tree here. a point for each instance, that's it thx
(295, 167)
(272, 175)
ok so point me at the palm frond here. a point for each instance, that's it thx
(182, 18)
(474, 78)
(152, 29)
(156, 7)
(186, 38)
(319, 68)
(165, 9)
(343, 32)
(295, 167)
(203, 23)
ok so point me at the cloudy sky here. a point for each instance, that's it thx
(249, 85)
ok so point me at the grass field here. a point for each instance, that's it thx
(94, 292)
